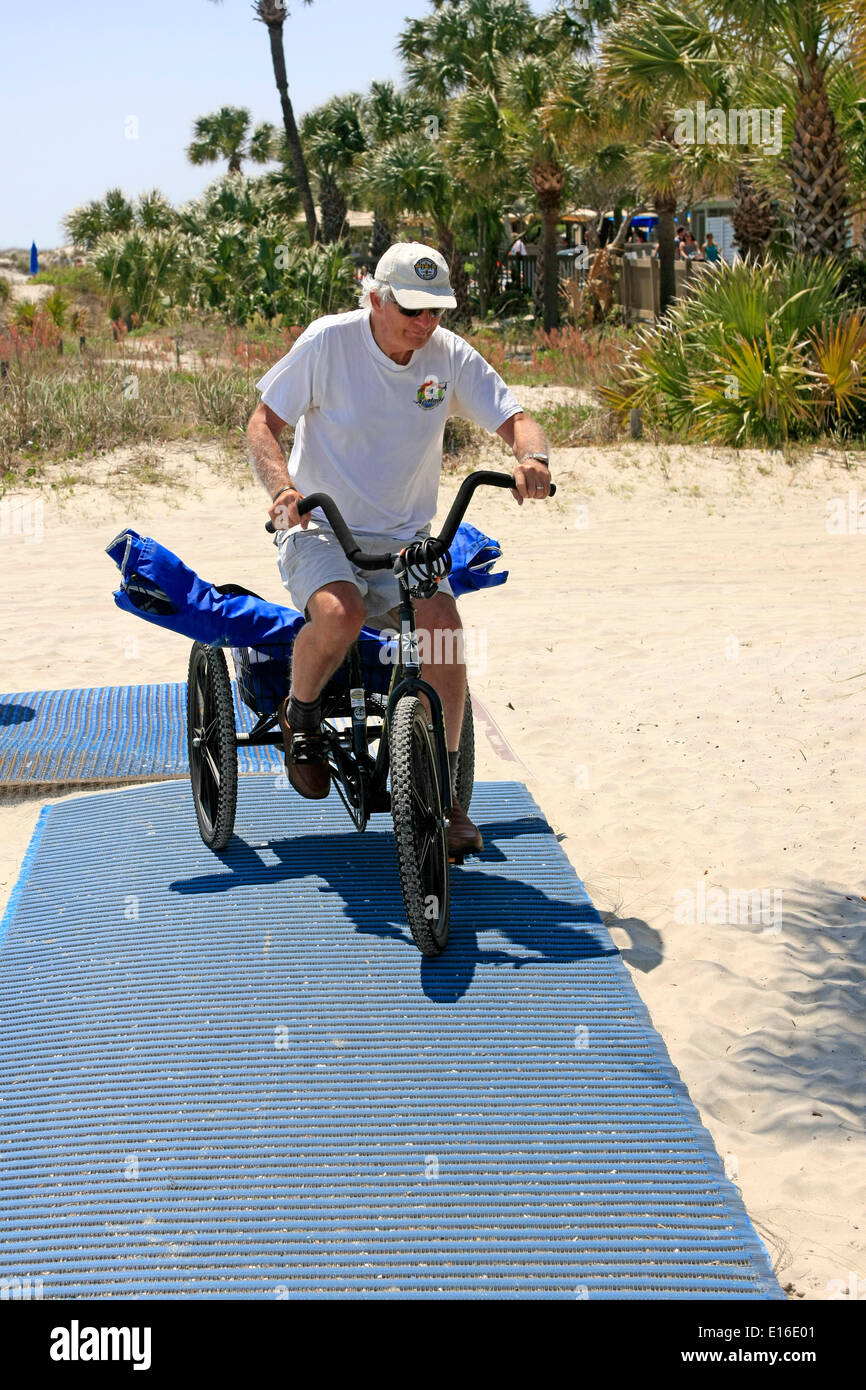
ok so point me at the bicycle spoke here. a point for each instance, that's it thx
(423, 808)
(213, 767)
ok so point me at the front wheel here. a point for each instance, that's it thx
(464, 779)
(419, 826)
(212, 740)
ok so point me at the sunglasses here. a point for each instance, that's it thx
(413, 313)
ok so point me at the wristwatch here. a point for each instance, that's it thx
(542, 458)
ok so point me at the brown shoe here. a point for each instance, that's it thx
(306, 759)
(463, 836)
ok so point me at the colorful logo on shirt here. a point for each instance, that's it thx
(430, 392)
(426, 269)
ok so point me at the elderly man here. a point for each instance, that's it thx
(369, 393)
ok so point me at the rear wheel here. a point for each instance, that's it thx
(419, 827)
(465, 776)
(213, 756)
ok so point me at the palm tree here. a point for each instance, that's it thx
(86, 224)
(408, 175)
(476, 147)
(753, 215)
(808, 39)
(333, 136)
(507, 66)
(272, 13)
(226, 135)
(387, 112)
(655, 58)
(518, 131)
(463, 43)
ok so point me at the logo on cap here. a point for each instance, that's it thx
(426, 269)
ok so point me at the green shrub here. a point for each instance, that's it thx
(79, 279)
(735, 360)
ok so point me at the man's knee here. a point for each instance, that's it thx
(336, 611)
(440, 632)
(438, 613)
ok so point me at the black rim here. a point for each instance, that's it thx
(205, 745)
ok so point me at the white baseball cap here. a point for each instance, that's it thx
(418, 276)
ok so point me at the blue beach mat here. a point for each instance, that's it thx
(234, 1076)
(121, 733)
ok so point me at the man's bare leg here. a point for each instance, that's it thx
(336, 617)
(441, 658)
(443, 665)
(335, 614)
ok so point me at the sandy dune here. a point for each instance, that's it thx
(678, 664)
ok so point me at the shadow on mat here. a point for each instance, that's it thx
(361, 871)
(15, 714)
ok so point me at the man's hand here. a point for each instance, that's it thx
(284, 511)
(531, 477)
(532, 480)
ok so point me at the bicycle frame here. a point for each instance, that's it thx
(407, 680)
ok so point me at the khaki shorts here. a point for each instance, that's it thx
(309, 559)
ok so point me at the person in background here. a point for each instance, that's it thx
(689, 249)
(711, 250)
(519, 248)
(678, 244)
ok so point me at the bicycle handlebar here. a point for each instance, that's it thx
(482, 477)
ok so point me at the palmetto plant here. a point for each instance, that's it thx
(840, 354)
(753, 354)
(24, 314)
(154, 212)
(317, 280)
(143, 265)
(226, 135)
(57, 306)
(151, 211)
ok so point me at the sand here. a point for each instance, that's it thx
(677, 668)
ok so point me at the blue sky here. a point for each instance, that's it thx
(74, 74)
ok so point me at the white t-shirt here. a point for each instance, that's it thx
(368, 431)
